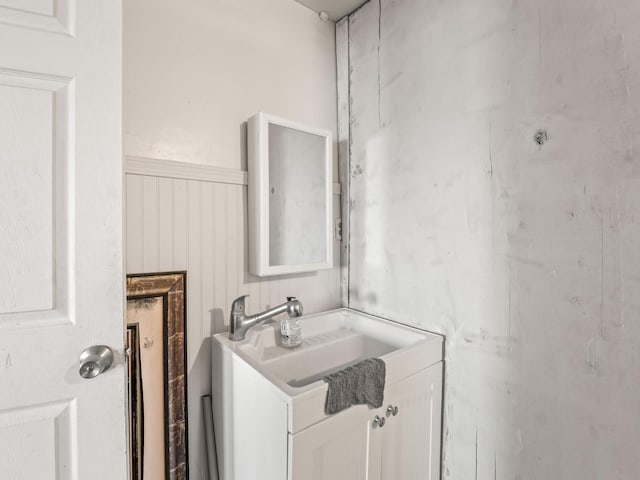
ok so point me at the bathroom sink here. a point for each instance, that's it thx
(318, 356)
(331, 341)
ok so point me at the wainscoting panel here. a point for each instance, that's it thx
(201, 227)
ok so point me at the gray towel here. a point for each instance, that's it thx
(355, 385)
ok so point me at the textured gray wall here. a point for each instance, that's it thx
(526, 256)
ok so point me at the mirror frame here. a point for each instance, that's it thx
(258, 166)
(171, 288)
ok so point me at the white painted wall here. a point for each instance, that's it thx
(194, 72)
(526, 257)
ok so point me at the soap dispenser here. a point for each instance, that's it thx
(290, 328)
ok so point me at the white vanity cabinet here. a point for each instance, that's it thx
(268, 403)
(350, 446)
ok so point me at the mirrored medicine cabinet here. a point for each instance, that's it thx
(290, 197)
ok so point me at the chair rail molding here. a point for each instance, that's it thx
(157, 167)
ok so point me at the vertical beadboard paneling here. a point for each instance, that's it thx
(219, 248)
(207, 260)
(133, 222)
(194, 265)
(232, 248)
(201, 227)
(198, 367)
(180, 225)
(150, 224)
(166, 227)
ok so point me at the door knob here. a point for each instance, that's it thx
(95, 360)
(378, 421)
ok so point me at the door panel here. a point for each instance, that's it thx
(61, 251)
(411, 442)
(342, 447)
(38, 442)
(34, 120)
(51, 15)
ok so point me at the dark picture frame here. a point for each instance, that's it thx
(169, 288)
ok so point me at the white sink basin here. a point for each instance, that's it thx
(331, 341)
(318, 356)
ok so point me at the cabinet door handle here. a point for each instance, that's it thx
(391, 410)
(378, 421)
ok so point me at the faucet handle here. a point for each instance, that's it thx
(294, 307)
(238, 304)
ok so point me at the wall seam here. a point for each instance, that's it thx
(348, 163)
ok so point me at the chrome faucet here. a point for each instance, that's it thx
(240, 322)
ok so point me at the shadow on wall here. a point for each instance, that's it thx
(199, 377)
(217, 321)
(243, 146)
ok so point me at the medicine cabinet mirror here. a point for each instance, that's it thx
(290, 197)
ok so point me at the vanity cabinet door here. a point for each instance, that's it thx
(348, 446)
(411, 440)
(344, 446)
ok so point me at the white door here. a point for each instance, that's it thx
(411, 441)
(61, 240)
(344, 446)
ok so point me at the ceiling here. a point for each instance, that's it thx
(335, 8)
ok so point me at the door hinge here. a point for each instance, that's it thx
(337, 228)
